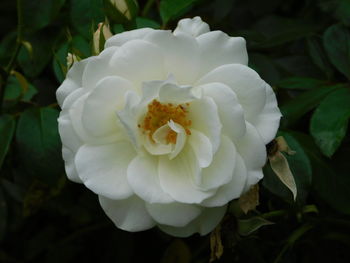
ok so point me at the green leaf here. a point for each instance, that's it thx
(85, 14)
(265, 67)
(248, 226)
(300, 83)
(300, 167)
(142, 22)
(39, 144)
(42, 43)
(297, 107)
(3, 214)
(318, 56)
(280, 30)
(40, 13)
(172, 9)
(15, 91)
(7, 128)
(336, 41)
(331, 181)
(339, 8)
(78, 46)
(330, 121)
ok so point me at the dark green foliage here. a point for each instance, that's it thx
(300, 47)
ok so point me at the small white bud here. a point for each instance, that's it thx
(103, 28)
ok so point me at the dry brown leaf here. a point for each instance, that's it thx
(280, 166)
(250, 200)
(216, 247)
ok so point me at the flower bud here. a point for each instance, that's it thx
(100, 36)
(121, 11)
(71, 59)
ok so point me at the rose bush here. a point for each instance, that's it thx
(167, 127)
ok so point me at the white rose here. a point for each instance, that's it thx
(167, 128)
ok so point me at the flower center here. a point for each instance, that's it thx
(159, 114)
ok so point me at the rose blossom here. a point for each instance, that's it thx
(167, 127)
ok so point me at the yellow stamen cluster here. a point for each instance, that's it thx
(159, 114)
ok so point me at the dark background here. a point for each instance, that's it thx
(301, 48)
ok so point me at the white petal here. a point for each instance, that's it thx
(177, 177)
(158, 147)
(73, 80)
(69, 137)
(232, 189)
(180, 139)
(68, 157)
(99, 114)
(173, 214)
(203, 224)
(205, 118)
(230, 111)
(99, 67)
(129, 117)
(193, 27)
(202, 148)
(121, 38)
(245, 82)
(221, 169)
(144, 180)
(180, 52)
(253, 151)
(217, 49)
(138, 61)
(127, 214)
(268, 121)
(103, 168)
(176, 94)
(72, 97)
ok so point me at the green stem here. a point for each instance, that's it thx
(298, 233)
(276, 213)
(147, 7)
(13, 58)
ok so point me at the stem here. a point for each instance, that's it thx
(147, 7)
(13, 58)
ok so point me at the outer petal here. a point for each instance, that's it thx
(98, 67)
(122, 38)
(69, 137)
(203, 224)
(221, 169)
(245, 82)
(173, 214)
(138, 61)
(99, 114)
(232, 189)
(128, 214)
(73, 80)
(180, 52)
(103, 168)
(205, 118)
(144, 180)
(193, 27)
(68, 157)
(217, 49)
(253, 151)
(230, 111)
(267, 122)
(177, 177)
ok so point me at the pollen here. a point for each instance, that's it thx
(159, 114)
